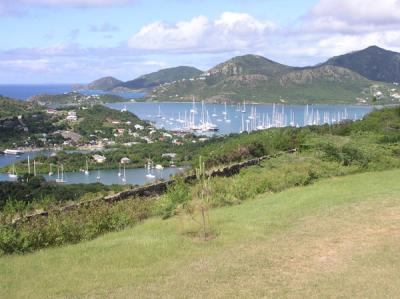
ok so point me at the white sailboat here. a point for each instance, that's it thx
(60, 179)
(29, 165)
(244, 107)
(51, 170)
(119, 171)
(214, 113)
(159, 112)
(225, 113)
(13, 175)
(124, 177)
(87, 168)
(149, 167)
(124, 109)
(98, 175)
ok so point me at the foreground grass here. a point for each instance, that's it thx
(339, 237)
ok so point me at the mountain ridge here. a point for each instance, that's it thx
(356, 77)
(256, 78)
(373, 62)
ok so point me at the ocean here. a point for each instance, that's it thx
(25, 91)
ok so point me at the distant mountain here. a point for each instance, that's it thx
(162, 76)
(259, 79)
(373, 63)
(73, 99)
(105, 83)
(248, 65)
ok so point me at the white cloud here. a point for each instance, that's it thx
(232, 31)
(73, 63)
(26, 64)
(334, 27)
(353, 16)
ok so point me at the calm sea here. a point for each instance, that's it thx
(25, 91)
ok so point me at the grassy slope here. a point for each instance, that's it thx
(339, 237)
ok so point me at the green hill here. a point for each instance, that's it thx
(336, 238)
(10, 107)
(373, 63)
(105, 83)
(73, 99)
(258, 79)
(162, 76)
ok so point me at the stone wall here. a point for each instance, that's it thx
(158, 188)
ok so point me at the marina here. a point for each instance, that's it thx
(134, 176)
(224, 119)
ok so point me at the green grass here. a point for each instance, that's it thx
(337, 238)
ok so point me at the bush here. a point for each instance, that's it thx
(74, 226)
(177, 194)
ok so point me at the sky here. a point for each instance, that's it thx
(77, 41)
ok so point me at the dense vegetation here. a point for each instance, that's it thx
(11, 108)
(34, 192)
(162, 76)
(325, 151)
(36, 128)
(99, 119)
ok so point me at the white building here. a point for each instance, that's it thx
(72, 116)
(99, 158)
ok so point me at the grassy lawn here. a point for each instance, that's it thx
(337, 238)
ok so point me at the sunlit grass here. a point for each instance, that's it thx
(338, 237)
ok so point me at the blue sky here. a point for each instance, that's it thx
(76, 41)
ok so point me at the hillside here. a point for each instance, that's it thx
(256, 78)
(373, 63)
(37, 128)
(162, 76)
(10, 107)
(74, 98)
(336, 238)
(105, 83)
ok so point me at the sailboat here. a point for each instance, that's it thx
(119, 171)
(214, 113)
(29, 165)
(159, 112)
(51, 171)
(87, 168)
(124, 177)
(124, 109)
(149, 174)
(244, 107)
(60, 179)
(225, 113)
(98, 175)
(13, 175)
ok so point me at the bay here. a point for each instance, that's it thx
(135, 176)
(171, 116)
